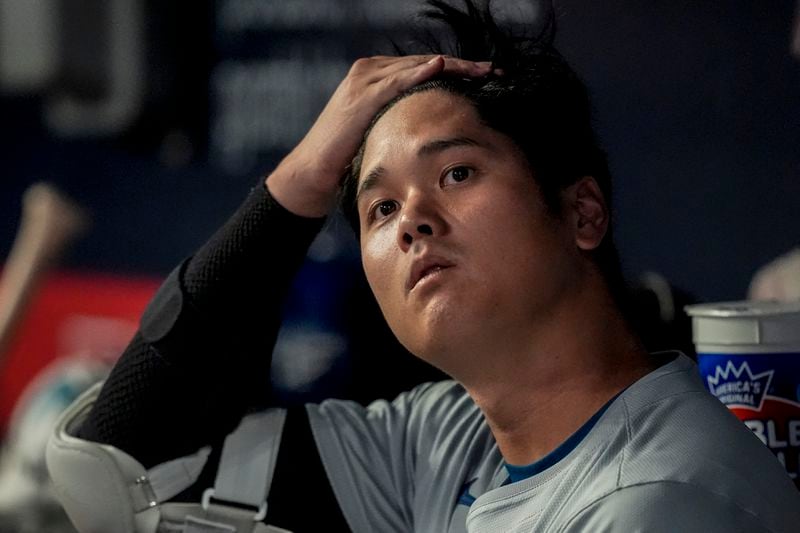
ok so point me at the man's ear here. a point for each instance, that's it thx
(588, 212)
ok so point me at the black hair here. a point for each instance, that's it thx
(537, 100)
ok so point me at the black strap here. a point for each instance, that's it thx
(301, 498)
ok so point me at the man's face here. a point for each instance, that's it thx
(456, 241)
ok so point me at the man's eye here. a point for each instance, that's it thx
(383, 209)
(457, 175)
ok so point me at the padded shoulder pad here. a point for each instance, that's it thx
(164, 309)
(102, 488)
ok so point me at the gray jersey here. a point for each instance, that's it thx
(664, 456)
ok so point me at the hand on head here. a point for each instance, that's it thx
(307, 180)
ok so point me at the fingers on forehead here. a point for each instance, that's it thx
(455, 65)
(390, 63)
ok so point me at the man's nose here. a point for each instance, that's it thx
(421, 218)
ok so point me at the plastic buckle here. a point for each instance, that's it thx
(208, 495)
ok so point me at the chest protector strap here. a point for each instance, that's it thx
(104, 489)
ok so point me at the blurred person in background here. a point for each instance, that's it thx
(778, 280)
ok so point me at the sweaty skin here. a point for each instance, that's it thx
(476, 276)
(450, 191)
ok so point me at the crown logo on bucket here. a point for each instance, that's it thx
(738, 387)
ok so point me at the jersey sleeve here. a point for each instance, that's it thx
(374, 456)
(665, 507)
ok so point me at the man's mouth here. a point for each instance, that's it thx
(425, 268)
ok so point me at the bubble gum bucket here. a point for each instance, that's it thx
(749, 358)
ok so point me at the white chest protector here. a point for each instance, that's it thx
(103, 489)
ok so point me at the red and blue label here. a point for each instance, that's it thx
(763, 391)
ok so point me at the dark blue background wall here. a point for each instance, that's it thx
(698, 104)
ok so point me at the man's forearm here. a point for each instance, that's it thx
(202, 354)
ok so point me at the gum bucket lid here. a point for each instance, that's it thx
(769, 324)
(744, 308)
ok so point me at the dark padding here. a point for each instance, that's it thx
(163, 310)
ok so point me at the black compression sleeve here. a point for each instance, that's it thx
(202, 359)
